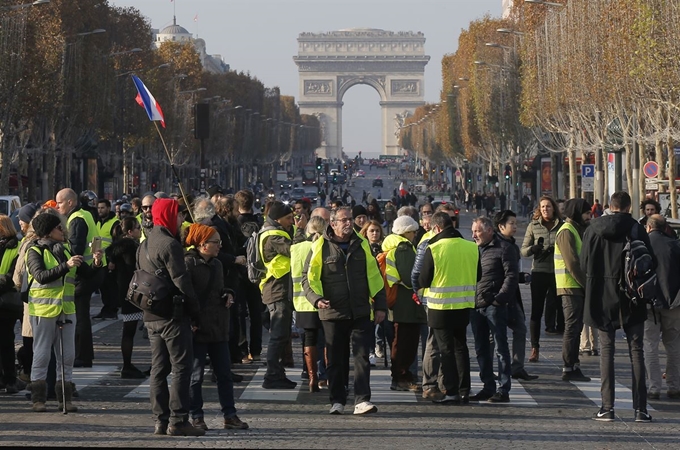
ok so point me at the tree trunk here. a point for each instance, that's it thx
(641, 177)
(671, 178)
(605, 173)
(572, 169)
(660, 160)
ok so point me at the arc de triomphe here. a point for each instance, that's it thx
(393, 63)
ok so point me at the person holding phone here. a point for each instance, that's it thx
(539, 242)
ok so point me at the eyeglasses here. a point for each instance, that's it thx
(146, 207)
(343, 219)
(218, 242)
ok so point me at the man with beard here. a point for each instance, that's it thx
(106, 220)
(570, 280)
(146, 217)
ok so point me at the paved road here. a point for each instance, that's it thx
(542, 413)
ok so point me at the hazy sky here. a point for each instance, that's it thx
(260, 37)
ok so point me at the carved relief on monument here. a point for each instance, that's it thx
(399, 121)
(318, 87)
(321, 117)
(405, 87)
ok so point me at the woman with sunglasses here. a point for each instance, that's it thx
(122, 258)
(51, 306)
(211, 334)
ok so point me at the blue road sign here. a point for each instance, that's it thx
(588, 170)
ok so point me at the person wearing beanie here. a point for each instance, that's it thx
(360, 217)
(26, 214)
(212, 337)
(215, 192)
(170, 331)
(570, 280)
(52, 269)
(407, 315)
(82, 230)
(276, 239)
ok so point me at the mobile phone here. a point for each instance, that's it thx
(96, 244)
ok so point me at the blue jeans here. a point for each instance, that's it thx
(221, 364)
(492, 320)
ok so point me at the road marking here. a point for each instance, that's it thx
(100, 325)
(623, 398)
(255, 391)
(381, 379)
(88, 376)
(518, 395)
(144, 389)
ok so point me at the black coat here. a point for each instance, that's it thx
(607, 307)
(123, 253)
(499, 273)
(667, 252)
(208, 278)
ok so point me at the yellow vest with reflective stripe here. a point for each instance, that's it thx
(427, 236)
(279, 266)
(298, 255)
(375, 280)
(49, 300)
(455, 275)
(563, 278)
(7, 258)
(391, 272)
(105, 231)
(92, 231)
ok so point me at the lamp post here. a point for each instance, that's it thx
(199, 134)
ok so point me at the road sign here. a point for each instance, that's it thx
(587, 170)
(651, 184)
(651, 169)
(458, 174)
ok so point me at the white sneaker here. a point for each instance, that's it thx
(337, 408)
(379, 352)
(372, 359)
(365, 408)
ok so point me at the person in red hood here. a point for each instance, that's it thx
(170, 332)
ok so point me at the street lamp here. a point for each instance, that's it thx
(125, 52)
(95, 31)
(510, 31)
(25, 5)
(542, 2)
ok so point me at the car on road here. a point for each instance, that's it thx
(378, 182)
(455, 218)
(297, 194)
(312, 193)
(360, 173)
(285, 186)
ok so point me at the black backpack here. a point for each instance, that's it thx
(639, 271)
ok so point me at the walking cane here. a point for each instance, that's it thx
(61, 324)
(382, 324)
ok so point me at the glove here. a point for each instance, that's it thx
(536, 249)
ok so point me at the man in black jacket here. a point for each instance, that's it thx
(664, 323)
(607, 306)
(169, 326)
(495, 290)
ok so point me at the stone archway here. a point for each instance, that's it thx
(329, 64)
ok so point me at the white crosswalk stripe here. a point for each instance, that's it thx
(623, 398)
(255, 391)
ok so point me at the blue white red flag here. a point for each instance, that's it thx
(148, 102)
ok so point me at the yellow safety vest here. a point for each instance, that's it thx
(7, 258)
(105, 231)
(140, 220)
(390, 246)
(92, 231)
(427, 236)
(279, 266)
(455, 275)
(375, 281)
(49, 300)
(298, 255)
(563, 278)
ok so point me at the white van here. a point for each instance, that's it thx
(9, 204)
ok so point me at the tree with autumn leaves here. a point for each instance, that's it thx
(66, 97)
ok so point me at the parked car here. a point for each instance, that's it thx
(9, 204)
(378, 182)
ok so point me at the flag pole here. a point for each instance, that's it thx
(174, 171)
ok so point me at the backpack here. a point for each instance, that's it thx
(390, 291)
(639, 276)
(254, 263)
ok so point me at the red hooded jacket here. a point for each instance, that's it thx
(164, 212)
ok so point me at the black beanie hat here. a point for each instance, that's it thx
(358, 210)
(45, 223)
(27, 212)
(278, 210)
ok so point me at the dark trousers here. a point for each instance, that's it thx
(573, 324)
(171, 351)
(235, 352)
(517, 323)
(109, 293)
(339, 334)
(404, 350)
(221, 364)
(253, 311)
(7, 355)
(634, 336)
(280, 321)
(84, 344)
(454, 353)
(492, 320)
(543, 296)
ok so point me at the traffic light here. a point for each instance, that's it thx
(508, 172)
(345, 167)
(318, 164)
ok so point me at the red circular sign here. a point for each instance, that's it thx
(651, 169)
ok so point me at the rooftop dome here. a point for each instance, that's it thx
(174, 28)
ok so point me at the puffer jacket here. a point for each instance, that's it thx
(607, 307)
(208, 278)
(499, 279)
(543, 261)
(345, 281)
(405, 310)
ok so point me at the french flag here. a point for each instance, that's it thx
(146, 100)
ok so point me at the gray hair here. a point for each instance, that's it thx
(316, 225)
(484, 222)
(411, 211)
(203, 209)
(334, 214)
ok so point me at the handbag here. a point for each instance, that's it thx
(148, 291)
(11, 302)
